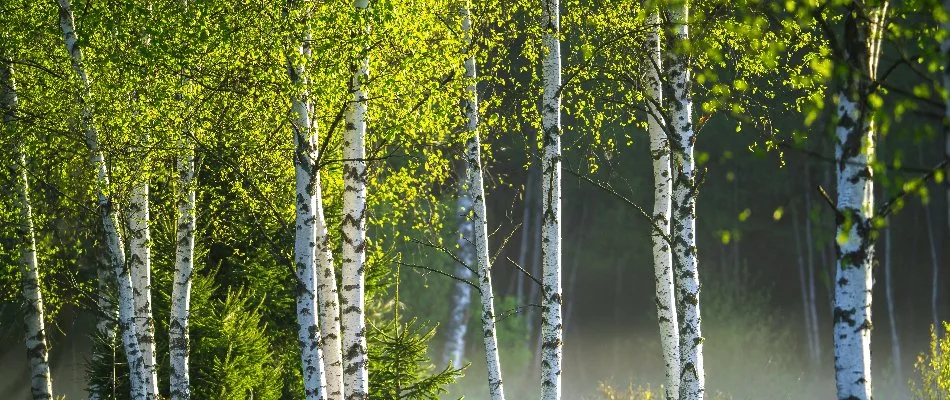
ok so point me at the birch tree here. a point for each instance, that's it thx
(854, 153)
(461, 291)
(305, 245)
(115, 252)
(41, 384)
(140, 265)
(178, 336)
(355, 361)
(662, 192)
(551, 296)
(479, 217)
(683, 230)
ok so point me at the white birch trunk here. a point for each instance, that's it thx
(305, 245)
(355, 359)
(41, 384)
(551, 297)
(854, 152)
(662, 196)
(140, 267)
(461, 291)
(526, 229)
(683, 231)
(179, 380)
(115, 253)
(473, 172)
(180, 312)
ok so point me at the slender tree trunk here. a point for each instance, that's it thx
(355, 361)
(305, 245)
(461, 291)
(662, 197)
(180, 383)
(41, 384)
(476, 188)
(935, 272)
(140, 266)
(810, 263)
(551, 296)
(114, 247)
(683, 231)
(892, 317)
(527, 226)
(180, 309)
(854, 153)
(802, 279)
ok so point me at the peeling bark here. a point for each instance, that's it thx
(115, 253)
(854, 153)
(41, 384)
(355, 359)
(683, 229)
(662, 197)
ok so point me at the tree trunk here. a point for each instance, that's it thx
(935, 272)
(41, 384)
(527, 226)
(476, 188)
(105, 319)
(461, 291)
(945, 49)
(683, 231)
(305, 244)
(551, 296)
(180, 386)
(180, 309)
(892, 317)
(662, 192)
(854, 153)
(810, 263)
(355, 362)
(803, 283)
(115, 253)
(140, 268)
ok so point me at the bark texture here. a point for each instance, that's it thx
(41, 383)
(305, 244)
(178, 342)
(683, 230)
(140, 269)
(115, 252)
(479, 219)
(355, 361)
(854, 152)
(662, 197)
(551, 297)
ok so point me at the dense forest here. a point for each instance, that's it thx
(433, 199)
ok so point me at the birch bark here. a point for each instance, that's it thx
(305, 245)
(41, 384)
(854, 152)
(662, 196)
(683, 230)
(355, 361)
(461, 291)
(479, 218)
(178, 343)
(551, 296)
(140, 268)
(180, 310)
(115, 253)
